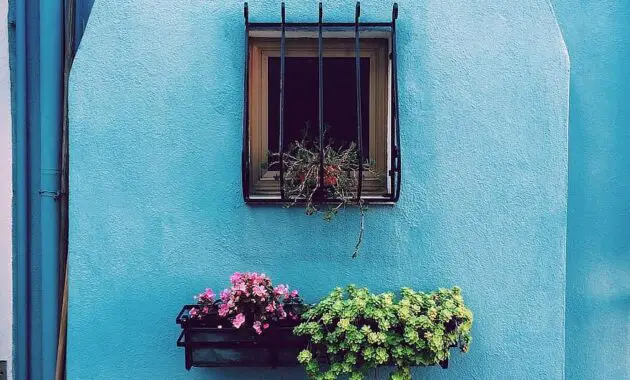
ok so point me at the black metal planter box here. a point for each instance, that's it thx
(208, 345)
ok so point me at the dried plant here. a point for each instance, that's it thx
(339, 185)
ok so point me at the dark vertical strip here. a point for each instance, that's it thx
(68, 56)
(81, 16)
(392, 116)
(21, 186)
(188, 350)
(281, 142)
(396, 125)
(357, 56)
(245, 164)
(34, 317)
(320, 53)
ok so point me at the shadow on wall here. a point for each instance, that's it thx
(598, 244)
(82, 14)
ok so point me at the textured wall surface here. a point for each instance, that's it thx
(156, 211)
(598, 245)
(6, 197)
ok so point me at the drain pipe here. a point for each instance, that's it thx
(51, 43)
(38, 94)
(21, 190)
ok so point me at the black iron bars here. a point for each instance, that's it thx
(357, 62)
(320, 53)
(245, 149)
(281, 137)
(395, 124)
(395, 156)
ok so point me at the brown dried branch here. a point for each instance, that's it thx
(301, 168)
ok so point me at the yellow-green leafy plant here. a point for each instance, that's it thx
(352, 331)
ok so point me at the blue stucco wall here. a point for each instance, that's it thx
(597, 34)
(156, 211)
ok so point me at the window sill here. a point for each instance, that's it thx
(267, 190)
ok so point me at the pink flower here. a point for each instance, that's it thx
(281, 290)
(225, 295)
(205, 310)
(259, 279)
(257, 327)
(260, 291)
(207, 296)
(193, 312)
(238, 320)
(293, 294)
(271, 307)
(236, 277)
(266, 326)
(224, 309)
(239, 287)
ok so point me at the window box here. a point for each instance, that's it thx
(215, 343)
(208, 345)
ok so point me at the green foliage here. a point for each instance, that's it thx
(354, 330)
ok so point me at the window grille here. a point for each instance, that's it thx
(394, 151)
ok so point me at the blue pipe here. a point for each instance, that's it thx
(20, 199)
(38, 110)
(51, 44)
(38, 48)
(35, 269)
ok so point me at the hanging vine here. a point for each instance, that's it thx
(301, 165)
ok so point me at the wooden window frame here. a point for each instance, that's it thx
(264, 183)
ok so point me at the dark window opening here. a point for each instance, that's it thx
(301, 101)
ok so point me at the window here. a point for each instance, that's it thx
(301, 103)
(378, 97)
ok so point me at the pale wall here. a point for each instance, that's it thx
(6, 253)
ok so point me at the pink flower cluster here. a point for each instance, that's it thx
(206, 299)
(251, 300)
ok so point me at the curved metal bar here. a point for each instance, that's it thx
(357, 56)
(313, 25)
(320, 52)
(395, 103)
(281, 142)
(180, 341)
(245, 150)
